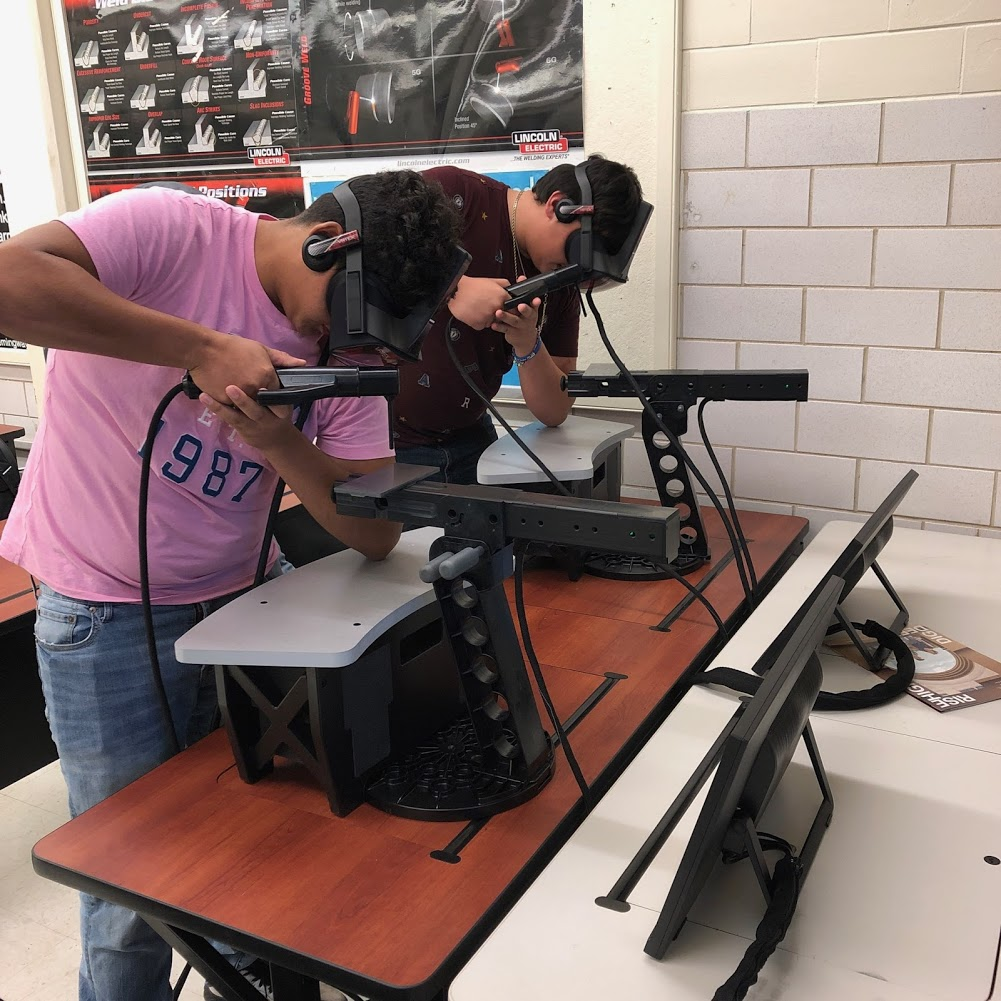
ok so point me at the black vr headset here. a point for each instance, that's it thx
(588, 259)
(363, 312)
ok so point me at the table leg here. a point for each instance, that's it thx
(291, 986)
(205, 960)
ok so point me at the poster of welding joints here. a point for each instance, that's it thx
(162, 83)
(424, 77)
(276, 191)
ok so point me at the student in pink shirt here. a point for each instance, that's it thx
(130, 292)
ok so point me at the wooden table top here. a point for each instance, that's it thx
(359, 901)
(17, 596)
(11, 431)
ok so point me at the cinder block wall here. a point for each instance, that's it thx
(842, 213)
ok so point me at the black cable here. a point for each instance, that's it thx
(673, 438)
(526, 639)
(144, 477)
(674, 575)
(496, 413)
(785, 884)
(542, 465)
(731, 507)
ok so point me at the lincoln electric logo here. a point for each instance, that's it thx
(544, 141)
(268, 156)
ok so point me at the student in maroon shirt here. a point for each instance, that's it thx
(510, 234)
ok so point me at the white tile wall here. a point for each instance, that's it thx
(881, 196)
(713, 139)
(747, 75)
(872, 432)
(937, 258)
(835, 372)
(747, 198)
(951, 128)
(783, 137)
(710, 257)
(748, 424)
(742, 314)
(707, 354)
(12, 397)
(808, 257)
(19, 373)
(716, 22)
(908, 318)
(889, 292)
(780, 20)
(819, 480)
(963, 380)
(924, 13)
(953, 495)
(972, 320)
(976, 191)
(964, 438)
(908, 64)
(982, 60)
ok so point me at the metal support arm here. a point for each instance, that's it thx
(498, 755)
(671, 393)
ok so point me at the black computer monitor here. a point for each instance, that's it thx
(752, 759)
(870, 539)
(858, 556)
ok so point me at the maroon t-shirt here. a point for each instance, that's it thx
(434, 401)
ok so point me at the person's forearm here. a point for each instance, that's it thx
(54, 303)
(540, 380)
(311, 474)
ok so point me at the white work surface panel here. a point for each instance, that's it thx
(950, 583)
(900, 904)
(325, 614)
(570, 451)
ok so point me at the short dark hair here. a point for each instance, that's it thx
(615, 189)
(409, 230)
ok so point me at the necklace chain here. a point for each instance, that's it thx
(519, 266)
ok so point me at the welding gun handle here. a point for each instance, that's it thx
(533, 288)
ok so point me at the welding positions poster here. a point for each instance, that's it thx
(264, 83)
(273, 191)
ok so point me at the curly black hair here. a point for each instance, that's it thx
(615, 190)
(409, 230)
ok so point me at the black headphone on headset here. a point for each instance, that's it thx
(363, 312)
(569, 211)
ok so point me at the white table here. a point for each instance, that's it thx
(325, 614)
(572, 451)
(899, 905)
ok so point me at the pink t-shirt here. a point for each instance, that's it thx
(75, 521)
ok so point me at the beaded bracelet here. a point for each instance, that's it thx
(520, 360)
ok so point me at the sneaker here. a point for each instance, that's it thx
(257, 974)
(328, 993)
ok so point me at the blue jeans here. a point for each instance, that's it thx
(105, 720)
(456, 458)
